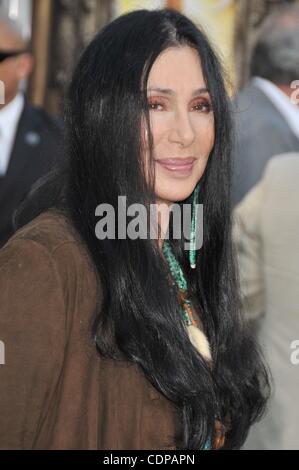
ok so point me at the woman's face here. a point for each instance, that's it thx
(182, 123)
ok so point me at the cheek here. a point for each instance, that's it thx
(211, 140)
(159, 127)
(206, 137)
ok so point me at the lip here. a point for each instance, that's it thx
(182, 166)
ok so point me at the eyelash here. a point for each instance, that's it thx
(206, 104)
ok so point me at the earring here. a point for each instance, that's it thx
(192, 250)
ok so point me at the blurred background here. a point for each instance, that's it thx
(60, 29)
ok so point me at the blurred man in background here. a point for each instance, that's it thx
(267, 119)
(30, 139)
(266, 235)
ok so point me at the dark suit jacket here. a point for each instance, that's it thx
(261, 132)
(36, 149)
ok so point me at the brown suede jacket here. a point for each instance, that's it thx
(55, 390)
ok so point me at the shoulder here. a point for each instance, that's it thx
(281, 190)
(49, 248)
(50, 229)
(254, 110)
(41, 118)
(32, 296)
(47, 283)
(285, 165)
(279, 180)
(248, 98)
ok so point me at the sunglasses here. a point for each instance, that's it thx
(8, 54)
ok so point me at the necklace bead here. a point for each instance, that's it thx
(180, 281)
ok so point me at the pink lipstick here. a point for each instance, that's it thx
(180, 166)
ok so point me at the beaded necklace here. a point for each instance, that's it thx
(180, 281)
(176, 270)
(196, 336)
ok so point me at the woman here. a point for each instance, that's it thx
(97, 347)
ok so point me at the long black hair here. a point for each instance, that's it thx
(139, 318)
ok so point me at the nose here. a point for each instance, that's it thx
(182, 131)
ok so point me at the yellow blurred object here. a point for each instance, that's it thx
(217, 17)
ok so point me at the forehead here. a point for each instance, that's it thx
(177, 68)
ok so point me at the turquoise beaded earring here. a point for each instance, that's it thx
(192, 250)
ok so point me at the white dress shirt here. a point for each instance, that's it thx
(9, 119)
(281, 101)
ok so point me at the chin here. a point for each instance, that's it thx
(175, 189)
(174, 196)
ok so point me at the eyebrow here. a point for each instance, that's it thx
(168, 91)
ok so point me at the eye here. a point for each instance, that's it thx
(203, 106)
(152, 105)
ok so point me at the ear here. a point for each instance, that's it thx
(25, 65)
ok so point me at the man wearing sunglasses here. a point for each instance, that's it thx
(29, 137)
